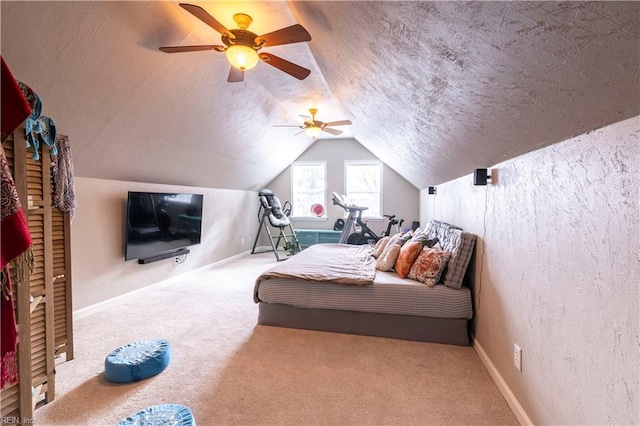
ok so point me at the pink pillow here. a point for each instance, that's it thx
(429, 265)
(388, 258)
(408, 254)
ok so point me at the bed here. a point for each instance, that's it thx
(337, 288)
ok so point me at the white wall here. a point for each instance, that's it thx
(557, 272)
(399, 196)
(98, 230)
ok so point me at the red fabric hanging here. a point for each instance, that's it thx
(8, 338)
(15, 108)
(15, 240)
(14, 231)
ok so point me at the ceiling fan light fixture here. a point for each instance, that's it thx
(242, 57)
(313, 131)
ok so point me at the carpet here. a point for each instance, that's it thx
(230, 371)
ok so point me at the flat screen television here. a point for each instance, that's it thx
(160, 223)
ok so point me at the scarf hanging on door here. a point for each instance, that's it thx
(14, 248)
(15, 239)
(64, 197)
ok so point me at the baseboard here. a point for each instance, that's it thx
(118, 300)
(515, 406)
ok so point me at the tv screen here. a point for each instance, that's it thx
(160, 222)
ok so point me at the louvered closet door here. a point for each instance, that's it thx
(43, 302)
(63, 318)
(41, 280)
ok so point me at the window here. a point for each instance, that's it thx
(363, 185)
(308, 187)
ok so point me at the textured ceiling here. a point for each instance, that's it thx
(434, 89)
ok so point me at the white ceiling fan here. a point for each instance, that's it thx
(315, 127)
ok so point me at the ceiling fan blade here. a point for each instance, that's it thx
(332, 131)
(287, 125)
(177, 49)
(283, 65)
(339, 123)
(299, 133)
(235, 75)
(293, 34)
(204, 16)
(307, 119)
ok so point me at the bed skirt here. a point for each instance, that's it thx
(453, 331)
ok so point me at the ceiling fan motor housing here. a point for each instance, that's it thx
(244, 37)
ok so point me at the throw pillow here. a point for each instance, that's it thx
(395, 239)
(424, 239)
(398, 239)
(408, 254)
(388, 258)
(429, 265)
(379, 247)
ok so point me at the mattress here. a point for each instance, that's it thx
(389, 294)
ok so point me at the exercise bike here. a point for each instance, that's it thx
(392, 221)
(365, 235)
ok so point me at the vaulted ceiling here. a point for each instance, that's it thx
(434, 89)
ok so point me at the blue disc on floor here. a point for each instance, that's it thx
(166, 414)
(137, 361)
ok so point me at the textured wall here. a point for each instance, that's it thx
(438, 88)
(557, 272)
(399, 196)
(98, 229)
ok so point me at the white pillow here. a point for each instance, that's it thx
(388, 259)
(379, 247)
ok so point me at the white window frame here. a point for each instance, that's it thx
(380, 164)
(305, 213)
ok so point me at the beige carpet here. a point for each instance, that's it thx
(228, 370)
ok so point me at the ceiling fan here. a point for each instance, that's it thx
(242, 46)
(314, 127)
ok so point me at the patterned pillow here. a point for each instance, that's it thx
(380, 245)
(460, 244)
(388, 258)
(408, 254)
(429, 265)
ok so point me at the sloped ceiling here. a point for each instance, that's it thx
(435, 89)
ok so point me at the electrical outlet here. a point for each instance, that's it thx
(176, 260)
(517, 357)
(243, 241)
